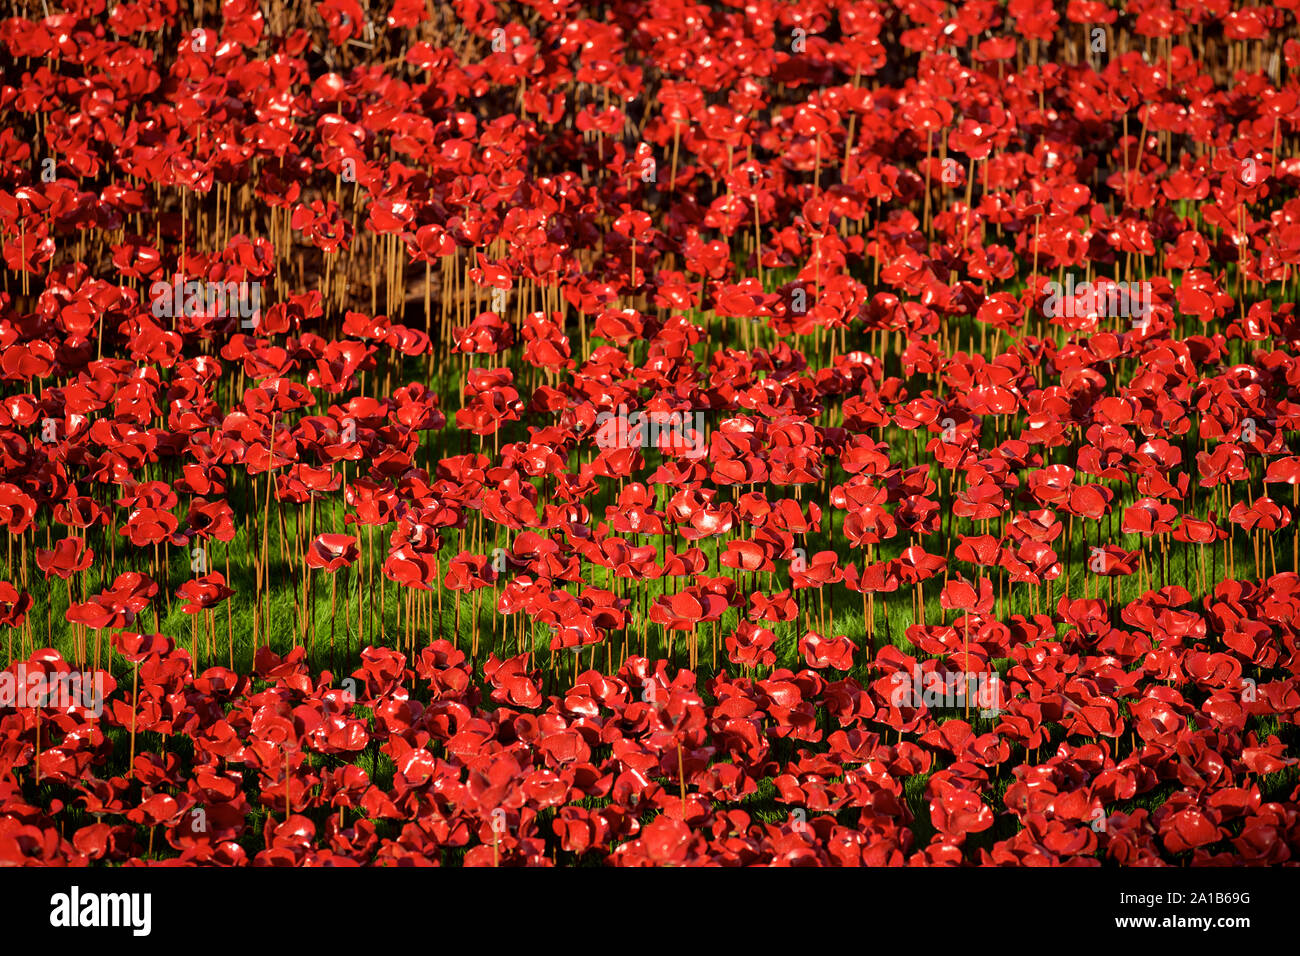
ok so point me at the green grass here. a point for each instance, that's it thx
(894, 617)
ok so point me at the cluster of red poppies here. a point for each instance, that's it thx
(667, 402)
